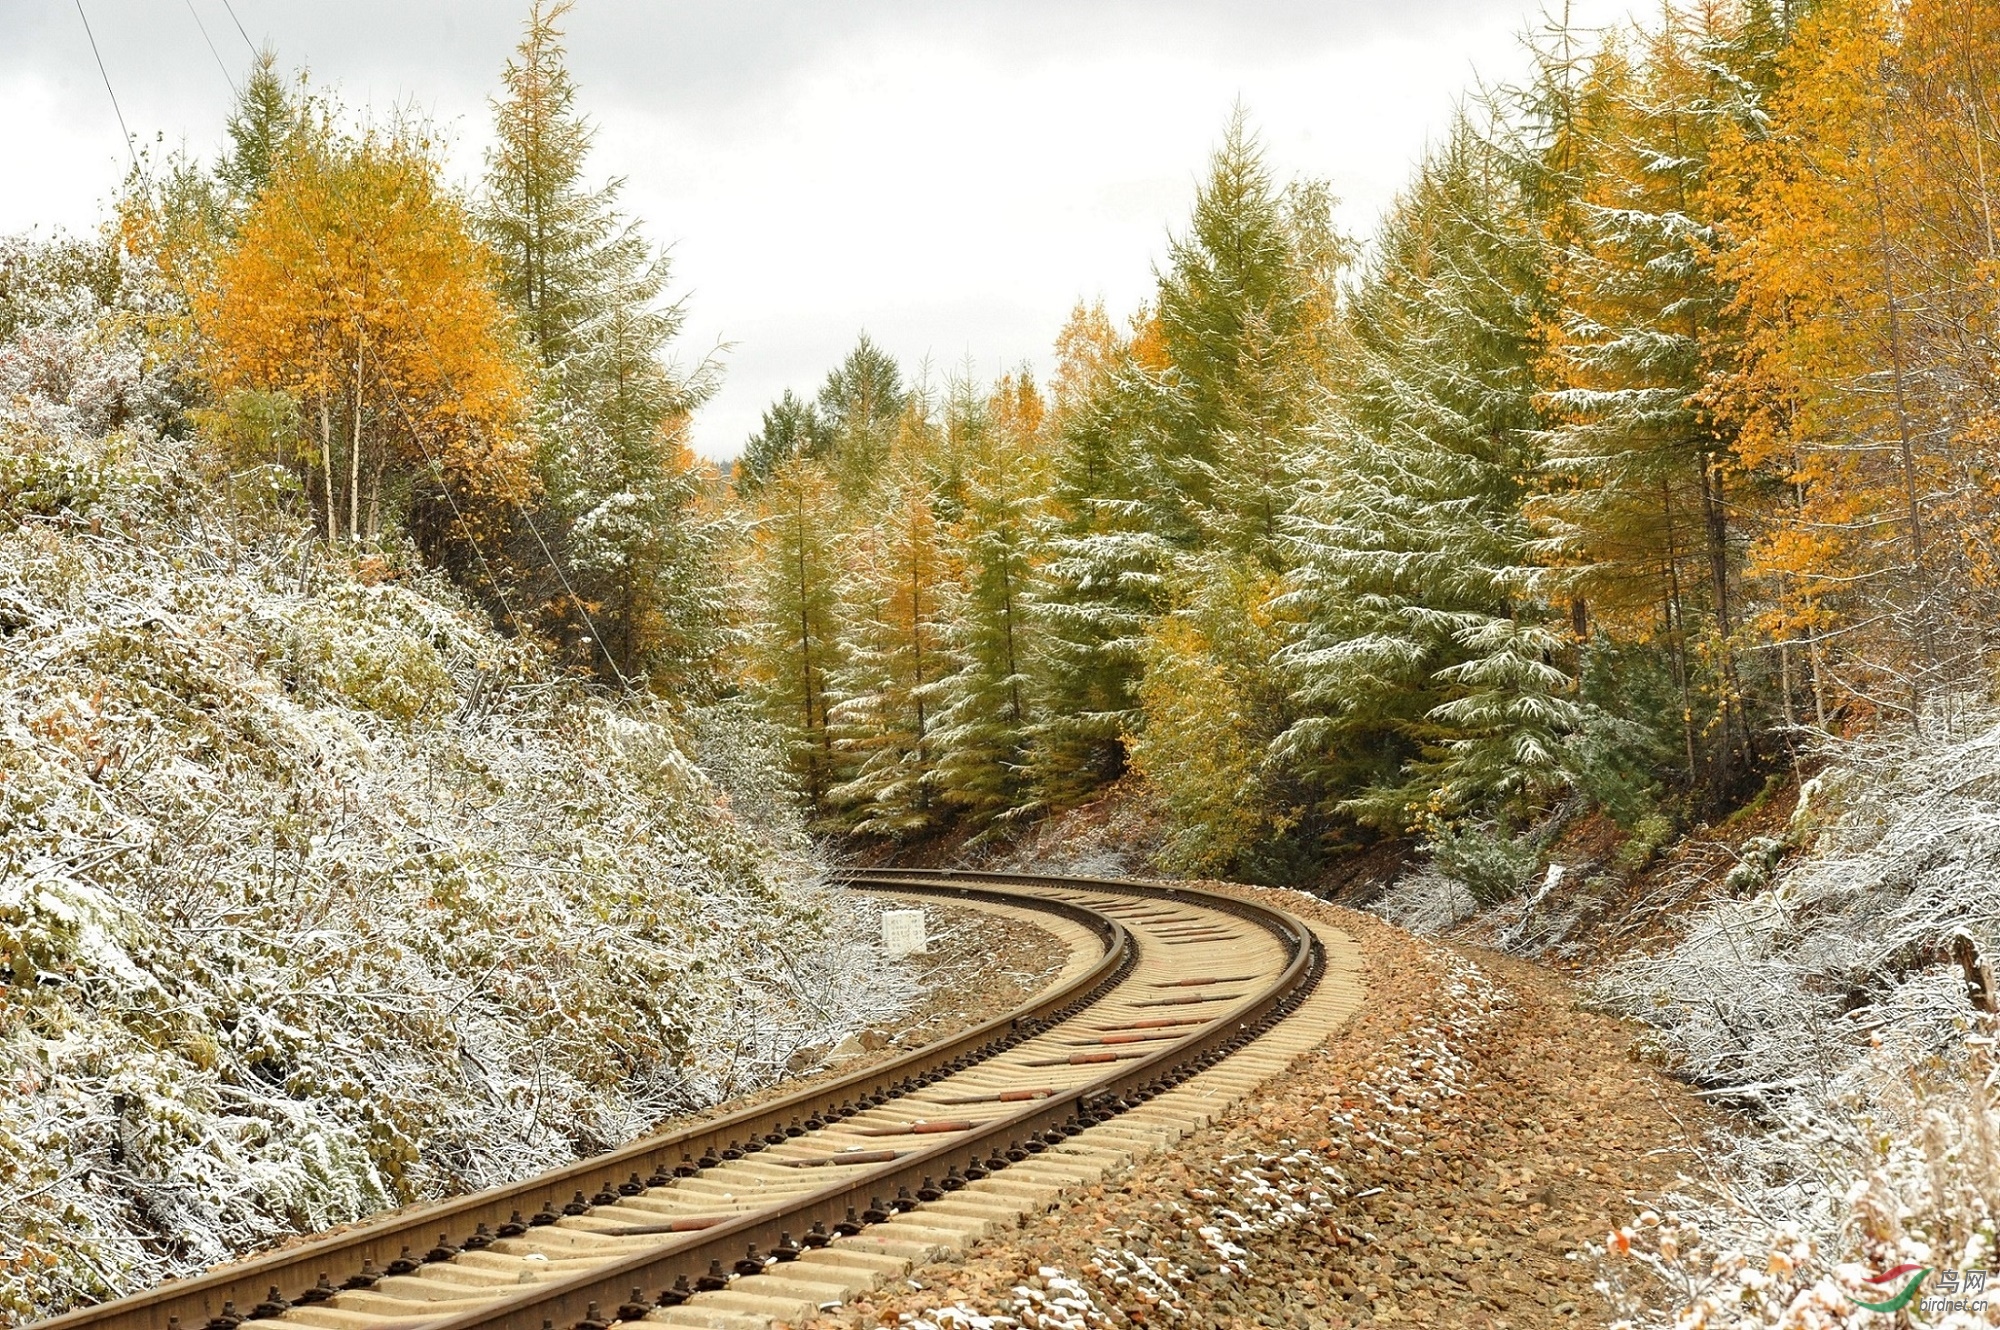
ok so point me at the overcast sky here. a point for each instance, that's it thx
(950, 177)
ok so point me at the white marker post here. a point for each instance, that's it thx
(903, 933)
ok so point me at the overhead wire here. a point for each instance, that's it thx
(105, 74)
(228, 78)
(471, 540)
(239, 27)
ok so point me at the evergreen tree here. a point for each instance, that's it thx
(260, 126)
(1105, 581)
(794, 650)
(984, 726)
(895, 657)
(1423, 663)
(1183, 439)
(633, 555)
(790, 428)
(1237, 329)
(858, 411)
(1640, 514)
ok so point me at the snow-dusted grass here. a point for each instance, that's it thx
(316, 895)
(1829, 1005)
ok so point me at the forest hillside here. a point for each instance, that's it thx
(317, 894)
(406, 729)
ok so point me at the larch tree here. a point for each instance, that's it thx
(859, 410)
(900, 585)
(984, 726)
(1640, 508)
(1865, 223)
(794, 650)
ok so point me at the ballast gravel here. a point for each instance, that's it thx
(1441, 1160)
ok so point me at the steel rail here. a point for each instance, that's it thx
(928, 1171)
(187, 1304)
(571, 1302)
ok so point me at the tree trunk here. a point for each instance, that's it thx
(354, 459)
(326, 466)
(1906, 450)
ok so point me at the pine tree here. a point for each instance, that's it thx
(633, 582)
(1423, 664)
(794, 650)
(1184, 438)
(1105, 580)
(1236, 318)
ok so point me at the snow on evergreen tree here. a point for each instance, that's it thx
(1424, 664)
(898, 590)
(1638, 510)
(1183, 439)
(621, 488)
(1106, 579)
(983, 728)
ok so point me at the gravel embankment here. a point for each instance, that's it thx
(1438, 1161)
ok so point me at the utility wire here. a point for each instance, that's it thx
(227, 77)
(130, 151)
(239, 27)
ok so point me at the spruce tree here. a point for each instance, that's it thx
(634, 581)
(1424, 665)
(790, 428)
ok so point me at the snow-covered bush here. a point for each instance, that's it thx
(318, 896)
(1836, 1006)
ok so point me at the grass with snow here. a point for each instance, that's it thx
(316, 895)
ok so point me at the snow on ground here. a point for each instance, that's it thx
(316, 895)
(1832, 1005)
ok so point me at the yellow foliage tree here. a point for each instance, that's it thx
(1866, 259)
(354, 285)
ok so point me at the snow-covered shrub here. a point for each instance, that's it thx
(1836, 1005)
(318, 896)
(1426, 902)
(1490, 864)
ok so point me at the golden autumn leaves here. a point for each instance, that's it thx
(351, 284)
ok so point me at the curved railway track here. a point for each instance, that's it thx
(789, 1200)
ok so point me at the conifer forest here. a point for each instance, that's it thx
(1635, 479)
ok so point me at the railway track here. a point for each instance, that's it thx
(801, 1200)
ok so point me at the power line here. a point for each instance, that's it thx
(210, 44)
(239, 27)
(130, 151)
